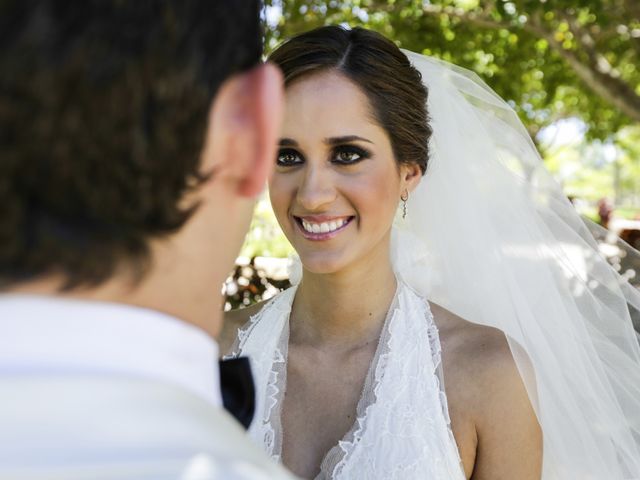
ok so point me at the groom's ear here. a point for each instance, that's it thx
(244, 123)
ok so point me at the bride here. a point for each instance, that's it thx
(451, 317)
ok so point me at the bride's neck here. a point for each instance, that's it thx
(345, 309)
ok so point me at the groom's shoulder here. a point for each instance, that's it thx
(136, 427)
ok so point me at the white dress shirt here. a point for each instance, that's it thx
(102, 391)
(51, 335)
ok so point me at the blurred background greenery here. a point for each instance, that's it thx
(570, 68)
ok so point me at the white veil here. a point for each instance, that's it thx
(491, 237)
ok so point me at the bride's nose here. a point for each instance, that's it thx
(316, 189)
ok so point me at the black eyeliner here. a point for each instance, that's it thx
(363, 153)
(287, 151)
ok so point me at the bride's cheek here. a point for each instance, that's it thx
(377, 200)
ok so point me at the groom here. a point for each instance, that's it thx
(134, 137)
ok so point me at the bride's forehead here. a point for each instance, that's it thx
(326, 100)
(326, 91)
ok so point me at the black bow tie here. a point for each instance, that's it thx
(238, 392)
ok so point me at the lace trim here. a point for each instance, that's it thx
(271, 421)
(271, 425)
(244, 332)
(412, 310)
(336, 459)
(269, 430)
(436, 354)
(374, 382)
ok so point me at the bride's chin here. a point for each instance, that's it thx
(322, 264)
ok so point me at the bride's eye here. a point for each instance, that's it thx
(348, 155)
(288, 157)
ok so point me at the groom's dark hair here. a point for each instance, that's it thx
(103, 109)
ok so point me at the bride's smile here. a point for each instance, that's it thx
(322, 227)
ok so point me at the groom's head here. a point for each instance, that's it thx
(130, 130)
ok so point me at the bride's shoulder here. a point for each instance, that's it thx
(470, 341)
(479, 364)
(488, 403)
(233, 321)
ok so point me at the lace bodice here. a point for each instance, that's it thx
(402, 429)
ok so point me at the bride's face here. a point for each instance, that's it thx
(336, 185)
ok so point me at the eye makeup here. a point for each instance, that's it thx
(343, 155)
(288, 157)
(349, 154)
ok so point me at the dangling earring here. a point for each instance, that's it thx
(404, 197)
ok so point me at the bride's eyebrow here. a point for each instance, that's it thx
(345, 139)
(290, 142)
(287, 142)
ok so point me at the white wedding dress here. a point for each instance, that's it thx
(402, 429)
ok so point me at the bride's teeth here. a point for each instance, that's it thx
(324, 227)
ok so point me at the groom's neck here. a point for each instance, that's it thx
(164, 290)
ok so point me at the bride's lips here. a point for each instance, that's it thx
(319, 220)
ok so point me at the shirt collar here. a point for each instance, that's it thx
(47, 334)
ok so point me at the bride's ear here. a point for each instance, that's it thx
(244, 122)
(410, 175)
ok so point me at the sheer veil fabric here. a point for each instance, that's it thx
(491, 237)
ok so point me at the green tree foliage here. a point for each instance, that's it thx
(591, 171)
(552, 59)
(265, 238)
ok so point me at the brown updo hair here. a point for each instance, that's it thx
(374, 63)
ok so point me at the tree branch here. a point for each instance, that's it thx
(466, 16)
(611, 89)
(596, 73)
